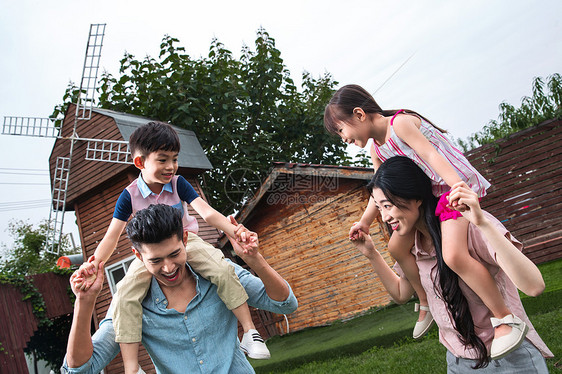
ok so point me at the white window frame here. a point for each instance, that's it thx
(124, 264)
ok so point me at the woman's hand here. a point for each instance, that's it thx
(468, 203)
(364, 243)
(358, 227)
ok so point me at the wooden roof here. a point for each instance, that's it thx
(87, 175)
(321, 175)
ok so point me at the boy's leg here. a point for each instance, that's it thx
(209, 262)
(127, 315)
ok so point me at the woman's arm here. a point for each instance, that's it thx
(522, 271)
(399, 288)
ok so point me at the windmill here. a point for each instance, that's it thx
(97, 149)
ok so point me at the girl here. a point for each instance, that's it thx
(353, 114)
(403, 193)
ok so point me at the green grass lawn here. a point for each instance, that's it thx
(380, 341)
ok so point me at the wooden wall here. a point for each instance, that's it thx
(94, 214)
(18, 323)
(525, 170)
(306, 242)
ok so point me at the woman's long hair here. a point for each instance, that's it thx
(341, 105)
(401, 180)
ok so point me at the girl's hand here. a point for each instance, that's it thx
(468, 203)
(358, 227)
(454, 202)
(364, 243)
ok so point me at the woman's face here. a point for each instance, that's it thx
(402, 220)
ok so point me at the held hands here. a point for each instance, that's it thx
(93, 290)
(86, 274)
(356, 229)
(468, 203)
(364, 243)
(246, 242)
(454, 202)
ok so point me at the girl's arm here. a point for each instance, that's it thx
(371, 212)
(522, 271)
(399, 288)
(406, 129)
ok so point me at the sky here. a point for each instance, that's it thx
(463, 59)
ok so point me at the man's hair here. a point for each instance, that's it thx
(155, 224)
(152, 137)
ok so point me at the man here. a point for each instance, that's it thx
(186, 327)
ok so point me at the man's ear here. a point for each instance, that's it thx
(137, 253)
(185, 236)
(139, 162)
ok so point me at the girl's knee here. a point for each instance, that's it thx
(455, 258)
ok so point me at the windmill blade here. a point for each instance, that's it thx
(90, 72)
(30, 126)
(116, 151)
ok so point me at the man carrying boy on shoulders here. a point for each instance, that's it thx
(186, 327)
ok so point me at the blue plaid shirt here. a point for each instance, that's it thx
(204, 339)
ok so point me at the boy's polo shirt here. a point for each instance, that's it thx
(176, 193)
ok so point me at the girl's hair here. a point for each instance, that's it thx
(400, 180)
(341, 105)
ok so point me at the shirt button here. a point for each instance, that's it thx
(184, 317)
(157, 300)
(201, 362)
(193, 340)
(165, 303)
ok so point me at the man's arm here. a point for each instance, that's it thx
(268, 291)
(84, 354)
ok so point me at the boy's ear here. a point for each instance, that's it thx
(139, 162)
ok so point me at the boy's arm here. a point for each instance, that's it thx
(212, 217)
(109, 242)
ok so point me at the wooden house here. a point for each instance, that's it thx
(302, 214)
(94, 187)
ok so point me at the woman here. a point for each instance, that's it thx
(403, 194)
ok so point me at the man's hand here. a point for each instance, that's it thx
(86, 274)
(92, 291)
(245, 241)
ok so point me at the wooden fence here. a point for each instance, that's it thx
(525, 170)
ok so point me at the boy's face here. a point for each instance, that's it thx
(158, 167)
(165, 260)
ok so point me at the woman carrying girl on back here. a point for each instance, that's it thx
(353, 114)
(403, 193)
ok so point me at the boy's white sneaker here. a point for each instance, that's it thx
(253, 345)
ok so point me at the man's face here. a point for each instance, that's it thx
(165, 260)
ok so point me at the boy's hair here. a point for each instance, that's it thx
(152, 137)
(154, 224)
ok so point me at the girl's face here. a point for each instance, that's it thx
(402, 220)
(355, 130)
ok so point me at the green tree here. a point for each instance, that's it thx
(246, 112)
(544, 104)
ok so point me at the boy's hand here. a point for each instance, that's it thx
(248, 246)
(86, 274)
(93, 289)
(357, 228)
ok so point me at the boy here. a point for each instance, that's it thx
(155, 147)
